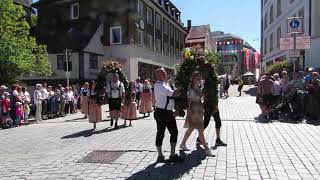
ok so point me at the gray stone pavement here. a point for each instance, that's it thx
(52, 149)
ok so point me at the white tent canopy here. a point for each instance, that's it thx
(248, 74)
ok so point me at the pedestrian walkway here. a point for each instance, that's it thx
(53, 149)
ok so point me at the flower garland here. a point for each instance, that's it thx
(204, 61)
(109, 67)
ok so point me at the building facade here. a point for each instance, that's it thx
(200, 35)
(140, 34)
(238, 57)
(274, 15)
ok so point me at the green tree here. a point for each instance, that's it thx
(20, 55)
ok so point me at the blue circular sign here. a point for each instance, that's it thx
(294, 23)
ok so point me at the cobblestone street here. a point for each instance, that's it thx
(52, 149)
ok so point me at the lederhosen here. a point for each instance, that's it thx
(114, 103)
(165, 119)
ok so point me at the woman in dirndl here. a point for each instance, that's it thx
(146, 99)
(129, 108)
(94, 113)
(84, 98)
(195, 114)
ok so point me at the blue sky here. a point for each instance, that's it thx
(240, 17)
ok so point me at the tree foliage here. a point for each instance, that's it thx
(278, 67)
(19, 52)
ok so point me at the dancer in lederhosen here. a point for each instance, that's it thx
(94, 113)
(115, 93)
(164, 115)
(84, 98)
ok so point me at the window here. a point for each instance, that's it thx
(171, 31)
(93, 61)
(278, 36)
(75, 11)
(139, 8)
(158, 21)
(165, 26)
(271, 42)
(150, 42)
(140, 37)
(115, 35)
(171, 51)
(158, 45)
(60, 61)
(177, 53)
(278, 7)
(165, 48)
(265, 1)
(266, 21)
(271, 14)
(291, 1)
(265, 46)
(149, 16)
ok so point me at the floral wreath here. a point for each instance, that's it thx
(109, 67)
(204, 61)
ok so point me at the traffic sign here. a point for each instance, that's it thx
(286, 43)
(294, 53)
(295, 25)
(303, 42)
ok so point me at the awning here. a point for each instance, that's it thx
(248, 74)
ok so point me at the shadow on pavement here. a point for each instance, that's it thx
(171, 171)
(88, 133)
(252, 91)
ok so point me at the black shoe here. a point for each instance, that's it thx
(199, 142)
(176, 158)
(160, 159)
(220, 143)
(116, 125)
(111, 122)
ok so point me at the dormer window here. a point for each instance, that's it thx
(75, 11)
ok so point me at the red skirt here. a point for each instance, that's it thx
(84, 100)
(95, 113)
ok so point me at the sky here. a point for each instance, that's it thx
(239, 17)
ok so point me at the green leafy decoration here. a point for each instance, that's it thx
(204, 61)
(109, 67)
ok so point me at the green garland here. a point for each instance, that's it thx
(204, 61)
(109, 67)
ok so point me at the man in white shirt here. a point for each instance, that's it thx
(138, 88)
(45, 96)
(115, 93)
(164, 115)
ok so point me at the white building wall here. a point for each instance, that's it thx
(131, 55)
(287, 10)
(59, 73)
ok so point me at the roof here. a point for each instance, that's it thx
(198, 33)
(226, 36)
(26, 3)
(73, 35)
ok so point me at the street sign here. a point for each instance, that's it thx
(286, 43)
(303, 42)
(295, 25)
(294, 53)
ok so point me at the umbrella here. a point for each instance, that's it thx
(248, 74)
